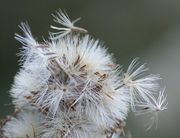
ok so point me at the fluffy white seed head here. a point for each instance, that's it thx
(73, 81)
(76, 74)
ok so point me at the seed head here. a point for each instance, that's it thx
(70, 86)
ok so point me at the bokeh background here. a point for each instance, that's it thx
(149, 29)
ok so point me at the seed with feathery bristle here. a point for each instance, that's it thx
(140, 86)
(153, 106)
(63, 19)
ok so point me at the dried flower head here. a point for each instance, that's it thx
(72, 81)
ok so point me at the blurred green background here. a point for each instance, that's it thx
(149, 29)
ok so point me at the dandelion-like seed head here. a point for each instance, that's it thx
(70, 74)
(72, 81)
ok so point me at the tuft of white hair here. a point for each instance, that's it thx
(152, 108)
(69, 27)
(68, 125)
(73, 81)
(26, 124)
(141, 86)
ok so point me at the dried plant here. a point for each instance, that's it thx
(70, 87)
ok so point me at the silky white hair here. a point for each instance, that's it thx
(73, 82)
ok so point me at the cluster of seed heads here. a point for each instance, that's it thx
(70, 87)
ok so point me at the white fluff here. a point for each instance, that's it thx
(73, 81)
(152, 107)
(68, 125)
(141, 86)
(26, 124)
(63, 19)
